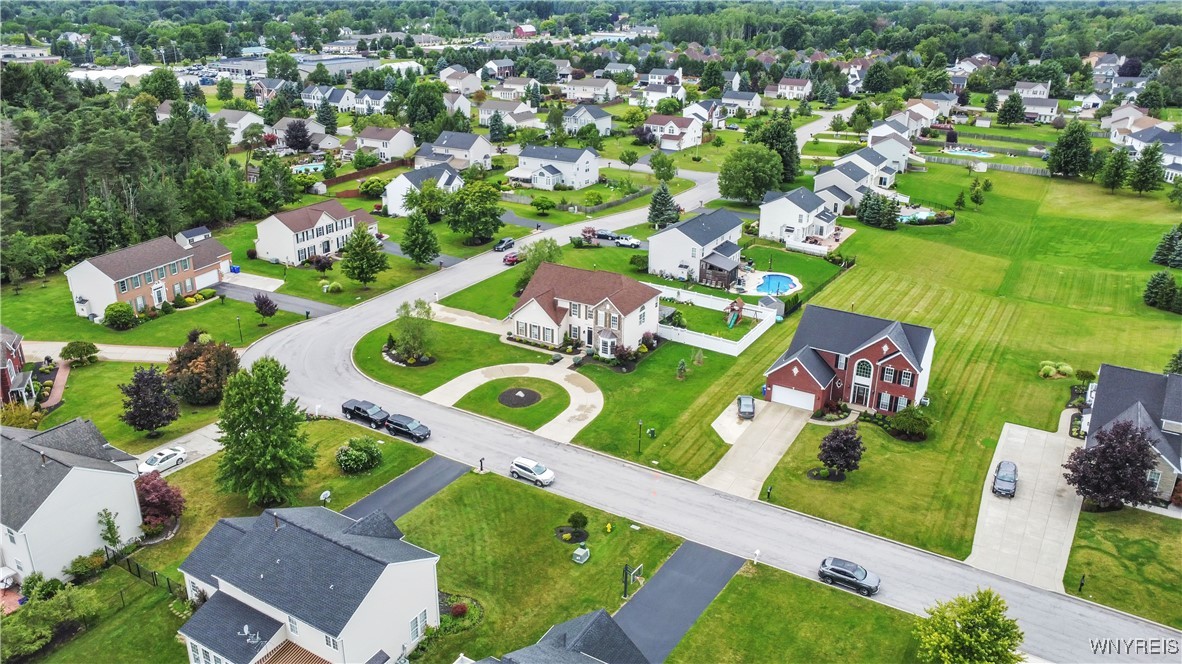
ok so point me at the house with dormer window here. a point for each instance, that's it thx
(841, 356)
(294, 236)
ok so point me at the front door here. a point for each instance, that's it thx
(590, 339)
(158, 294)
(326, 247)
(862, 395)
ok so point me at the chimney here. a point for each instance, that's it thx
(276, 517)
(44, 460)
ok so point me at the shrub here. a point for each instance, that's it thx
(166, 308)
(47, 384)
(85, 566)
(198, 297)
(1047, 363)
(566, 537)
(1047, 372)
(911, 423)
(119, 316)
(459, 610)
(252, 254)
(179, 302)
(207, 293)
(577, 520)
(335, 287)
(79, 353)
(31, 584)
(359, 455)
(639, 261)
(649, 340)
(1065, 370)
(190, 301)
(847, 148)
(593, 198)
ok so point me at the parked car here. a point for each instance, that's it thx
(163, 460)
(1005, 479)
(747, 407)
(603, 234)
(733, 127)
(401, 425)
(528, 469)
(504, 244)
(850, 575)
(511, 258)
(627, 241)
(365, 411)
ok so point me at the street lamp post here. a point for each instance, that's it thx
(639, 430)
(240, 329)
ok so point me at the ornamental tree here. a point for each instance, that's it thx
(198, 371)
(973, 628)
(265, 307)
(148, 404)
(160, 502)
(1115, 469)
(412, 329)
(79, 353)
(841, 450)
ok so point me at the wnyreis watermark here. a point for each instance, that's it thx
(1159, 646)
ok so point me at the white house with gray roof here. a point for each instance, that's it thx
(794, 216)
(662, 76)
(236, 122)
(308, 584)
(367, 102)
(55, 483)
(750, 102)
(341, 99)
(460, 149)
(582, 115)
(547, 167)
(882, 173)
(710, 112)
(444, 176)
(703, 249)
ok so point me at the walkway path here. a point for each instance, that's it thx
(296, 305)
(468, 319)
(660, 613)
(154, 354)
(511, 217)
(754, 453)
(586, 400)
(410, 489)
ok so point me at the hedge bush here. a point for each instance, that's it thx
(359, 455)
(85, 566)
(335, 287)
(119, 316)
(207, 293)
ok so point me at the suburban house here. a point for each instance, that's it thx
(841, 356)
(368, 102)
(505, 108)
(1039, 109)
(460, 149)
(388, 144)
(591, 90)
(265, 89)
(146, 275)
(307, 584)
(710, 112)
(294, 236)
(927, 109)
(794, 88)
(459, 80)
(604, 310)
(236, 122)
(650, 95)
(674, 133)
(897, 150)
(614, 69)
(944, 101)
(525, 31)
(445, 177)
(581, 115)
(848, 177)
(662, 76)
(1171, 143)
(547, 167)
(750, 102)
(593, 638)
(164, 110)
(280, 128)
(15, 382)
(342, 99)
(341, 47)
(792, 217)
(1035, 89)
(704, 249)
(513, 87)
(731, 80)
(454, 103)
(499, 69)
(1149, 400)
(55, 483)
(562, 69)
(892, 125)
(882, 173)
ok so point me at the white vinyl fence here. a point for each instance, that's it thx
(766, 318)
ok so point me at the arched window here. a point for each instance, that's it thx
(863, 370)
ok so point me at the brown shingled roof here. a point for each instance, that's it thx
(301, 219)
(208, 252)
(553, 282)
(123, 263)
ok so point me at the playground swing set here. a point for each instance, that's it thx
(733, 312)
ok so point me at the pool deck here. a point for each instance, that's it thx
(755, 277)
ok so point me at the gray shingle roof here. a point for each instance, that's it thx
(942, 96)
(456, 139)
(218, 622)
(138, 258)
(800, 197)
(594, 637)
(195, 232)
(10, 338)
(706, 228)
(852, 171)
(565, 155)
(594, 111)
(376, 95)
(310, 562)
(870, 155)
(1145, 399)
(844, 332)
(441, 173)
(738, 96)
(28, 480)
(837, 192)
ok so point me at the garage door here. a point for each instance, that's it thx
(206, 279)
(791, 397)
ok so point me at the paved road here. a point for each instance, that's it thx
(319, 356)
(407, 491)
(296, 305)
(393, 249)
(661, 612)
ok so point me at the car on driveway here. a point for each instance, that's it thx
(627, 241)
(1005, 479)
(163, 460)
(505, 244)
(733, 127)
(401, 425)
(528, 469)
(366, 412)
(747, 407)
(511, 258)
(850, 575)
(604, 234)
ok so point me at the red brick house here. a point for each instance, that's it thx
(840, 356)
(15, 382)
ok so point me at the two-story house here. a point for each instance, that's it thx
(841, 356)
(368, 102)
(514, 87)
(459, 80)
(146, 275)
(16, 384)
(265, 89)
(506, 108)
(592, 638)
(590, 90)
(294, 236)
(55, 483)
(236, 122)
(546, 167)
(1148, 400)
(388, 143)
(562, 69)
(731, 80)
(604, 310)
(342, 99)
(944, 101)
(316, 131)
(614, 70)
(750, 102)
(661, 76)
(710, 112)
(455, 102)
(499, 69)
(577, 117)
(897, 150)
(793, 217)
(704, 249)
(794, 88)
(674, 133)
(650, 95)
(307, 584)
(460, 149)
(1035, 89)
(394, 197)
(882, 173)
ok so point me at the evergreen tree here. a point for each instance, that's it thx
(991, 103)
(1167, 246)
(1176, 256)
(1147, 172)
(1174, 365)
(364, 258)
(264, 458)
(148, 404)
(327, 116)
(1175, 195)
(889, 217)
(1012, 111)
(662, 210)
(711, 76)
(496, 128)
(1116, 170)
(248, 94)
(869, 210)
(1072, 153)
(978, 198)
(960, 200)
(1160, 290)
(419, 242)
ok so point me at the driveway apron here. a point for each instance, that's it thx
(410, 489)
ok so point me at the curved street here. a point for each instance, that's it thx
(318, 354)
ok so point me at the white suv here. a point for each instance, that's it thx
(528, 469)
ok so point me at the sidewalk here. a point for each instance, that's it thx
(154, 354)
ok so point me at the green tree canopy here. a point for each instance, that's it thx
(419, 242)
(364, 259)
(749, 172)
(973, 628)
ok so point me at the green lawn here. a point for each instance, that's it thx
(134, 625)
(495, 538)
(483, 400)
(91, 393)
(809, 271)
(457, 350)
(608, 192)
(766, 615)
(451, 243)
(1131, 559)
(711, 155)
(822, 148)
(712, 322)
(1045, 132)
(47, 314)
(204, 504)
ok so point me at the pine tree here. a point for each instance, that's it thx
(991, 103)
(419, 242)
(1116, 170)
(960, 200)
(496, 128)
(364, 258)
(248, 93)
(1175, 260)
(869, 211)
(327, 116)
(148, 404)
(1175, 195)
(1147, 173)
(978, 198)
(889, 217)
(662, 210)
(1167, 246)
(1160, 290)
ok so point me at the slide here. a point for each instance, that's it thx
(730, 321)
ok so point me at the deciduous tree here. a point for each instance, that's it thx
(225, 89)
(532, 256)
(841, 450)
(265, 307)
(297, 136)
(363, 258)
(749, 172)
(412, 329)
(198, 371)
(148, 404)
(160, 502)
(1116, 170)
(1072, 153)
(475, 209)
(629, 157)
(973, 628)
(663, 166)
(779, 135)
(1012, 110)
(1115, 469)
(1147, 172)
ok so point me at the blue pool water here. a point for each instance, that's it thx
(918, 215)
(308, 168)
(961, 152)
(774, 284)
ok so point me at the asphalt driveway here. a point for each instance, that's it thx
(296, 305)
(1028, 537)
(407, 491)
(666, 607)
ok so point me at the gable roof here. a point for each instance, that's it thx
(376, 95)
(565, 155)
(301, 219)
(217, 623)
(796, 82)
(869, 154)
(941, 96)
(197, 231)
(137, 258)
(233, 117)
(595, 112)
(1143, 398)
(381, 133)
(502, 105)
(34, 463)
(706, 228)
(9, 338)
(844, 332)
(553, 282)
(311, 562)
(744, 96)
(441, 173)
(800, 197)
(593, 637)
(456, 139)
(679, 122)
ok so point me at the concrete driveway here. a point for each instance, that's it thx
(1028, 537)
(756, 446)
(255, 281)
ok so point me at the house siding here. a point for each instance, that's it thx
(842, 387)
(100, 290)
(382, 621)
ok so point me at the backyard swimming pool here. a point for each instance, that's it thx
(961, 152)
(922, 214)
(308, 168)
(777, 284)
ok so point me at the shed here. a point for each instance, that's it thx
(773, 303)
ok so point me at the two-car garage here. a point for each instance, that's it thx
(795, 398)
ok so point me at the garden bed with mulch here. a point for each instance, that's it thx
(394, 358)
(824, 475)
(577, 535)
(518, 397)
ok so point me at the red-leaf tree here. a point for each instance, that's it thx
(160, 502)
(841, 450)
(1115, 469)
(148, 404)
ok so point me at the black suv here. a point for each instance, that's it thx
(401, 425)
(604, 234)
(365, 411)
(851, 575)
(505, 244)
